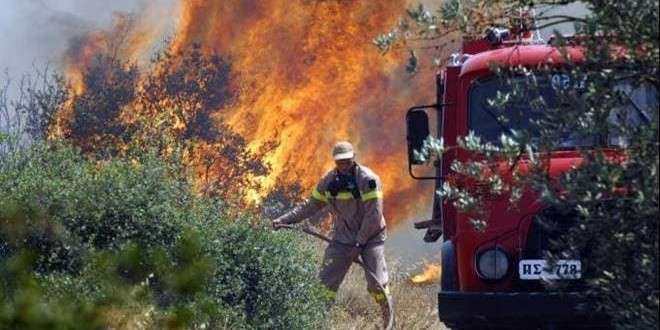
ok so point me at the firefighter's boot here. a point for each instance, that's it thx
(385, 313)
(382, 299)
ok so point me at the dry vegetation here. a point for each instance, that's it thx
(415, 306)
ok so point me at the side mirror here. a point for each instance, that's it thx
(417, 131)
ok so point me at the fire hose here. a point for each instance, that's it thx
(358, 260)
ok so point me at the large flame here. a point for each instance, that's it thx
(307, 75)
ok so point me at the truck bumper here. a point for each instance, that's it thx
(515, 308)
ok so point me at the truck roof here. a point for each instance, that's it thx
(525, 55)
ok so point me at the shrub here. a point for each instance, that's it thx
(135, 227)
(91, 206)
(269, 277)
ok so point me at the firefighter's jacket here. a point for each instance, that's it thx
(358, 220)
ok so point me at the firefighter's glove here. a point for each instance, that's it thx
(278, 224)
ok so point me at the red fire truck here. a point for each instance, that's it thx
(494, 277)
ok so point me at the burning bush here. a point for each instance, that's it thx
(172, 109)
(109, 87)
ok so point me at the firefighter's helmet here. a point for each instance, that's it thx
(343, 150)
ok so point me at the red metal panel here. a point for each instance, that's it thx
(525, 55)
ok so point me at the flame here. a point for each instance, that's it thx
(307, 75)
(430, 275)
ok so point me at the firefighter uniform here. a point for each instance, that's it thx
(357, 207)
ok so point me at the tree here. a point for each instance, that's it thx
(171, 108)
(614, 199)
(177, 109)
(110, 86)
(28, 108)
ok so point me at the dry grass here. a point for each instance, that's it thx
(415, 306)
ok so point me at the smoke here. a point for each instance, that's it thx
(36, 32)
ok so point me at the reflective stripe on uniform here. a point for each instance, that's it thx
(344, 195)
(375, 194)
(318, 196)
(379, 295)
(347, 195)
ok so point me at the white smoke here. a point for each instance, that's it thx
(35, 32)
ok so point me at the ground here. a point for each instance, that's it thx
(415, 306)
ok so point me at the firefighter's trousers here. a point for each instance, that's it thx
(336, 264)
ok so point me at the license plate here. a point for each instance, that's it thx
(536, 269)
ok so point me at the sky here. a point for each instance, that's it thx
(38, 31)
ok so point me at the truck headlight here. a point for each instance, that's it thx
(492, 264)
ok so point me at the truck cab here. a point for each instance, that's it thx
(493, 277)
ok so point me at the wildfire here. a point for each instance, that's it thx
(306, 75)
(430, 275)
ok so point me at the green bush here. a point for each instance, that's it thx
(23, 304)
(91, 206)
(269, 276)
(136, 227)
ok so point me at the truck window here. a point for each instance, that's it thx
(489, 121)
(640, 107)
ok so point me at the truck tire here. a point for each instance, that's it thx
(449, 278)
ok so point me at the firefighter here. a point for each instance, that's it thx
(353, 194)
